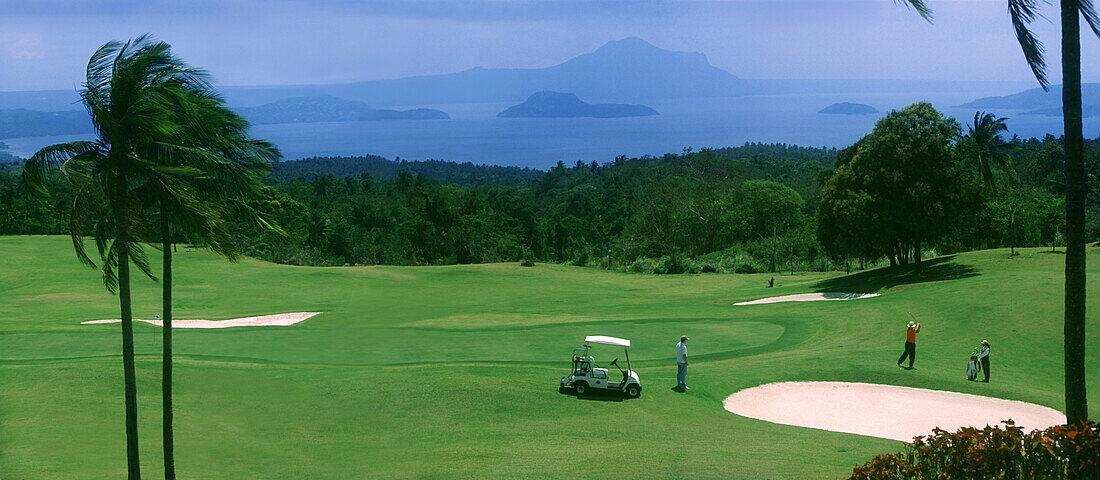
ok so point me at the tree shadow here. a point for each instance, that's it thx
(594, 395)
(933, 270)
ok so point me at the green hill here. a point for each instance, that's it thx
(452, 371)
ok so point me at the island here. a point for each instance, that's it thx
(549, 104)
(327, 108)
(1037, 101)
(848, 108)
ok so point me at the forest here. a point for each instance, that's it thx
(753, 208)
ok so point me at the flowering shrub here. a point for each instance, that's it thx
(1059, 452)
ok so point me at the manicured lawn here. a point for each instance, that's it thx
(452, 372)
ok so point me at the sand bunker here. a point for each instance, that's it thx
(277, 320)
(884, 411)
(811, 297)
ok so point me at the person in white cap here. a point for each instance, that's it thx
(682, 363)
(983, 356)
(911, 331)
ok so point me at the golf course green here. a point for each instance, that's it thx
(452, 371)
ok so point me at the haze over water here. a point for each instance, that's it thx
(474, 134)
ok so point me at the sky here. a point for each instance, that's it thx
(44, 44)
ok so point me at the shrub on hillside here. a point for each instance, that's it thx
(581, 260)
(1059, 452)
(742, 263)
(642, 265)
(671, 265)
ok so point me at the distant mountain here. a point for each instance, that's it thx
(327, 108)
(628, 70)
(554, 104)
(20, 122)
(1087, 110)
(1037, 102)
(847, 108)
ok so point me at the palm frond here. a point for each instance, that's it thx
(141, 261)
(1023, 13)
(1088, 11)
(81, 210)
(920, 6)
(49, 159)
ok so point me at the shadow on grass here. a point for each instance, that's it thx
(594, 395)
(872, 281)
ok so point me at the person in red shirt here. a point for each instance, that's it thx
(911, 332)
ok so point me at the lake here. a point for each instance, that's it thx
(475, 134)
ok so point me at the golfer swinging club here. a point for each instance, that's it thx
(682, 363)
(911, 331)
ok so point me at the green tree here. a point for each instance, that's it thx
(1023, 13)
(765, 210)
(896, 189)
(127, 94)
(990, 148)
(209, 169)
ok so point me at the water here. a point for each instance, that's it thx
(474, 134)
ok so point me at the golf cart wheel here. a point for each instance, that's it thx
(633, 391)
(581, 388)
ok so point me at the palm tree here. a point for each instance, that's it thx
(126, 93)
(1023, 13)
(210, 153)
(986, 132)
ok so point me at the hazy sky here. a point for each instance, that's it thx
(44, 44)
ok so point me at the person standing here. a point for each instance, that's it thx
(911, 331)
(983, 356)
(682, 363)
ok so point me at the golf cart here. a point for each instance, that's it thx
(587, 376)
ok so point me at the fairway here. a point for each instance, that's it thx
(452, 371)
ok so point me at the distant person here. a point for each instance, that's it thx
(911, 331)
(983, 356)
(682, 363)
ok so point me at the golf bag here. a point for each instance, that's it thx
(972, 367)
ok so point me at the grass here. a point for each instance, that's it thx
(451, 372)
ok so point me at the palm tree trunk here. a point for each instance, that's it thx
(166, 365)
(1076, 402)
(133, 463)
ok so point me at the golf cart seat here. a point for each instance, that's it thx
(585, 364)
(599, 373)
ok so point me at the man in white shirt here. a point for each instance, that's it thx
(682, 363)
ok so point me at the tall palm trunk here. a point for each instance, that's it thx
(1076, 403)
(166, 366)
(133, 464)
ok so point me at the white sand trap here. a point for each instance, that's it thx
(885, 411)
(277, 320)
(811, 297)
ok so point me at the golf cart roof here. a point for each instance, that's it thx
(622, 342)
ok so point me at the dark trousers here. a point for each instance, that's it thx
(910, 352)
(985, 367)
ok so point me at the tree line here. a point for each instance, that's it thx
(753, 208)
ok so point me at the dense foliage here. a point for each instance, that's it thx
(753, 208)
(897, 189)
(1059, 452)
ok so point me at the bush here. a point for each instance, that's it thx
(671, 265)
(643, 265)
(581, 260)
(1059, 452)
